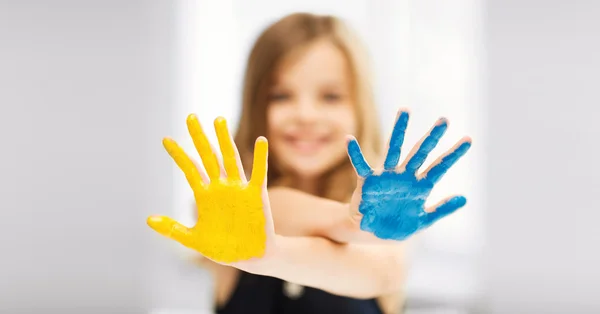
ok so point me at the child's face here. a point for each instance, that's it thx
(311, 110)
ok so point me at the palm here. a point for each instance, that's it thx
(230, 217)
(234, 223)
(392, 202)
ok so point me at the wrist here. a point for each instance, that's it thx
(269, 263)
(354, 232)
(354, 218)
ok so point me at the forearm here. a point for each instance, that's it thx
(347, 230)
(352, 270)
(300, 214)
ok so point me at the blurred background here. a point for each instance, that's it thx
(89, 88)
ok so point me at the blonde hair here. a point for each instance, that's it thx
(277, 42)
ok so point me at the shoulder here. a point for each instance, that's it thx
(391, 303)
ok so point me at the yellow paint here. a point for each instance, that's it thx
(231, 223)
(209, 159)
(225, 142)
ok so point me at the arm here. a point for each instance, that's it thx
(352, 270)
(305, 254)
(392, 198)
(299, 214)
(236, 226)
(296, 213)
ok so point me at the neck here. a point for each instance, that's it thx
(307, 185)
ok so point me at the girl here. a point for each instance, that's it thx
(307, 246)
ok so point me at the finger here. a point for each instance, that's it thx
(396, 141)
(202, 171)
(184, 163)
(260, 163)
(443, 209)
(441, 165)
(358, 159)
(227, 149)
(420, 152)
(238, 161)
(207, 154)
(171, 229)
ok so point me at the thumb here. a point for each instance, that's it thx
(172, 229)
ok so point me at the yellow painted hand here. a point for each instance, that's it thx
(234, 217)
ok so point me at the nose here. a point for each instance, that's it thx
(307, 111)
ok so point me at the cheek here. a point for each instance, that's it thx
(275, 118)
(349, 124)
(344, 120)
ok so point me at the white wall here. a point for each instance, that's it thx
(86, 94)
(445, 66)
(543, 154)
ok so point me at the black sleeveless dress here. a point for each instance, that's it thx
(256, 294)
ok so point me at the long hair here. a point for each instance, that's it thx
(278, 41)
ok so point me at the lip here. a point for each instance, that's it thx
(306, 145)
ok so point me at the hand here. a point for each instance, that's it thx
(391, 201)
(234, 225)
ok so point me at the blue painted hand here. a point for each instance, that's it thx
(392, 200)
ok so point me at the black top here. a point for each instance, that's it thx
(256, 294)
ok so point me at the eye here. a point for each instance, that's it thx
(279, 97)
(332, 97)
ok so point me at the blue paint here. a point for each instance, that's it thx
(358, 159)
(396, 141)
(417, 160)
(437, 171)
(393, 202)
(445, 209)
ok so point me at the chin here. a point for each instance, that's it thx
(309, 172)
(310, 168)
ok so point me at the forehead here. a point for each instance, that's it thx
(318, 63)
